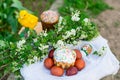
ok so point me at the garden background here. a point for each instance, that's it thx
(105, 13)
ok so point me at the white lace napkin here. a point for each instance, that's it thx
(96, 67)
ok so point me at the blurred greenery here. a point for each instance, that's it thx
(89, 7)
(38, 6)
(9, 9)
(8, 19)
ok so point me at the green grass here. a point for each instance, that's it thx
(89, 7)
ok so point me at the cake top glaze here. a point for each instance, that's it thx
(49, 17)
(65, 55)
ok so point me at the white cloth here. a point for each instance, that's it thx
(96, 68)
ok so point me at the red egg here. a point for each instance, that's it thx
(78, 54)
(50, 55)
(71, 71)
(79, 64)
(57, 71)
(48, 63)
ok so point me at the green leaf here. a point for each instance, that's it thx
(17, 4)
(13, 22)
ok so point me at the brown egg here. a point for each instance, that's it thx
(48, 63)
(71, 71)
(79, 64)
(57, 71)
(50, 55)
(78, 54)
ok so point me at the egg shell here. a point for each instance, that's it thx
(78, 54)
(48, 63)
(50, 55)
(57, 71)
(79, 64)
(71, 71)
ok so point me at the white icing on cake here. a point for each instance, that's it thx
(64, 55)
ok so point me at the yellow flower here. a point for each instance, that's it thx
(27, 20)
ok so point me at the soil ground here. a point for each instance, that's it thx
(109, 27)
